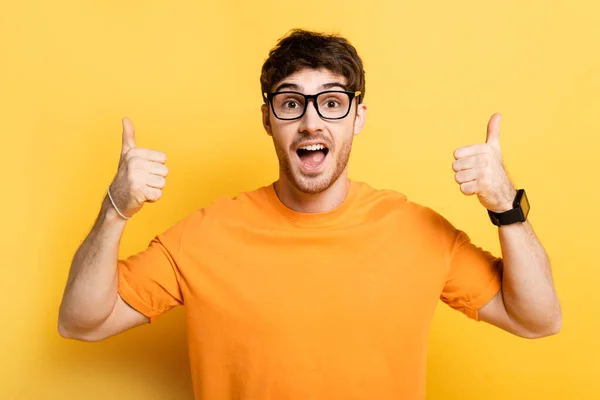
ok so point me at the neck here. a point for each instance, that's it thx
(327, 200)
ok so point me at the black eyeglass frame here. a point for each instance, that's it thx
(307, 97)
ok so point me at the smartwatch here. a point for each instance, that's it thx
(517, 214)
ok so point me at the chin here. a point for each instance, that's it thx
(310, 173)
(312, 184)
(315, 182)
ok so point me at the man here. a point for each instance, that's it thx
(317, 286)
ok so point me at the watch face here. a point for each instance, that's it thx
(525, 204)
(522, 203)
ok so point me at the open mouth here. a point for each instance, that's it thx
(312, 156)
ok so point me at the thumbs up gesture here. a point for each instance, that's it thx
(140, 177)
(479, 170)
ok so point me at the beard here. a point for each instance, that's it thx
(313, 184)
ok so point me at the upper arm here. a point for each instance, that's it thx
(148, 286)
(151, 281)
(121, 318)
(474, 281)
(474, 276)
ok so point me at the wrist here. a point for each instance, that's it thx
(108, 215)
(519, 209)
(508, 203)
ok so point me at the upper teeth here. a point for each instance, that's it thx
(313, 147)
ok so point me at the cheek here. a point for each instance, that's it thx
(343, 133)
(283, 133)
(281, 138)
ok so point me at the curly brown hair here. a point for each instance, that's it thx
(301, 49)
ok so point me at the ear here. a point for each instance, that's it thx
(265, 119)
(360, 118)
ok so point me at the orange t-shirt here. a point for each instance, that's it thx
(295, 306)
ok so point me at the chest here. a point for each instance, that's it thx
(303, 280)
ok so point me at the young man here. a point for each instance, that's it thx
(317, 286)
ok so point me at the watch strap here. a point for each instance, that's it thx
(516, 214)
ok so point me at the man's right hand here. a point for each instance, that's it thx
(141, 174)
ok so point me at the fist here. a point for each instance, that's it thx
(141, 174)
(479, 170)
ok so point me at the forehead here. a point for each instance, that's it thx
(309, 80)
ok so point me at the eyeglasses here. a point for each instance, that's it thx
(331, 104)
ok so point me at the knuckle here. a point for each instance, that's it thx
(154, 195)
(136, 187)
(481, 159)
(159, 169)
(130, 176)
(485, 181)
(130, 162)
(135, 161)
(140, 198)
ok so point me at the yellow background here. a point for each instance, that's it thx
(187, 74)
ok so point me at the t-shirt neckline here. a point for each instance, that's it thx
(319, 219)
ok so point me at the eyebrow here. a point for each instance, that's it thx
(298, 88)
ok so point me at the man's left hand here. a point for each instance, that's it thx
(479, 170)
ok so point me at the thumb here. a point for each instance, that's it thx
(493, 131)
(128, 136)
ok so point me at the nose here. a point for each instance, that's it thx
(311, 122)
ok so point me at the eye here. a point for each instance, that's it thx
(332, 101)
(291, 104)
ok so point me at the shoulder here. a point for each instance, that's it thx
(415, 216)
(411, 219)
(243, 202)
(222, 211)
(223, 208)
(392, 201)
(369, 194)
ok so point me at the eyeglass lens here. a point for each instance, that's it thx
(329, 104)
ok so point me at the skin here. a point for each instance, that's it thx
(527, 305)
(326, 190)
(91, 308)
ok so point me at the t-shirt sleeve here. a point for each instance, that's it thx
(149, 281)
(474, 276)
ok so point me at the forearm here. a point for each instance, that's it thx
(91, 290)
(527, 286)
